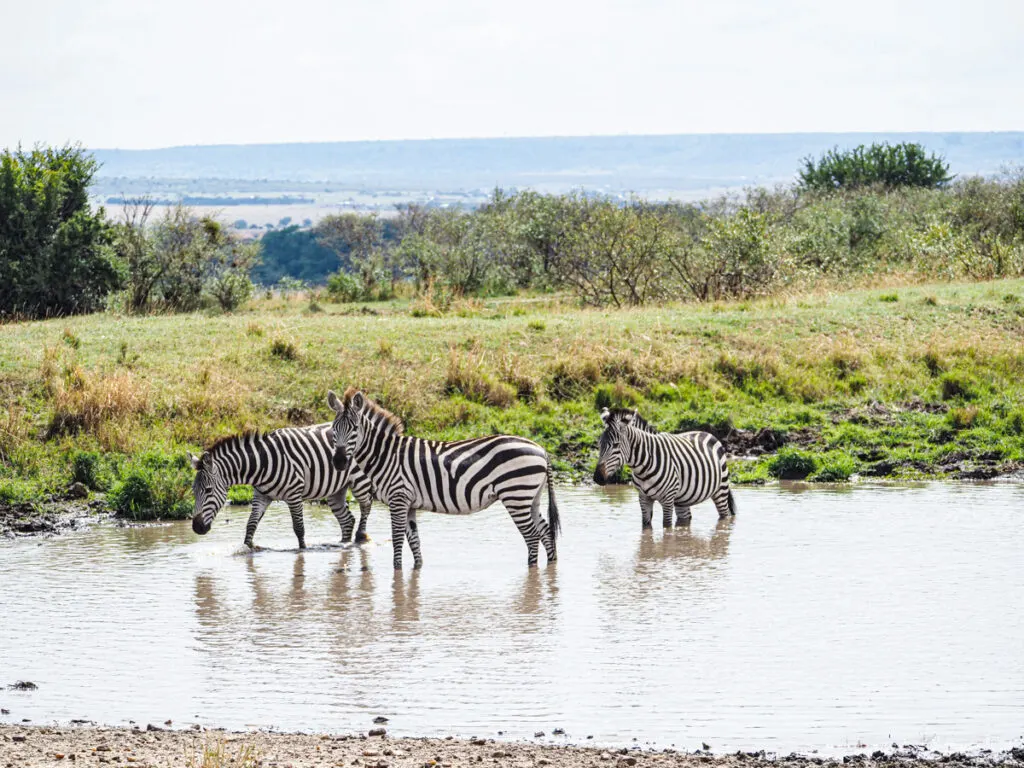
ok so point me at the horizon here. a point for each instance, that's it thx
(439, 139)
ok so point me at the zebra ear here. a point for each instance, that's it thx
(628, 418)
(196, 461)
(605, 415)
(358, 401)
(334, 402)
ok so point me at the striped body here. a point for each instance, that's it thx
(291, 465)
(455, 478)
(675, 470)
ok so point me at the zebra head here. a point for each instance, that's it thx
(346, 425)
(210, 490)
(611, 454)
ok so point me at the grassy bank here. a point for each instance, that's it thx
(923, 381)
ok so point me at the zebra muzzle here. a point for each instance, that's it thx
(599, 475)
(340, 460)
(199, 526)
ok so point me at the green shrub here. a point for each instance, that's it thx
(14, 491)
(891, 298)
(231, 289)
(154, 487)
(959, 385)
(536, 325)
(1013, 424)
(890, 165)
(283, 349)
(792, 464)
(835, 468)
(343, 287)
(616, 395)
(240, 494)
(962, 418)
(748, 472)
(665, 393)
(87, 468)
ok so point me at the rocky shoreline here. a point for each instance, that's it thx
(50, 516)
(157, 746)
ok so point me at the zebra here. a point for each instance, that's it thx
(291, 465)
(455, 478)
(676, 470)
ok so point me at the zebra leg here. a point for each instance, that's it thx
(339, 506)
(723, 502)
(260, 502)
(295, 507)
(646, 510)
(364, 515)
(547, 536)
(682, 514)
(413, 532)
(523, 516)
(666, 513)
(399, 513)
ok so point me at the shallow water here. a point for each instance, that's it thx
(818, 619)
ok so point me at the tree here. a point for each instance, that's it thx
(615, 254)
(888, 165)
(55, 254)
(361, 237)
(173, 262)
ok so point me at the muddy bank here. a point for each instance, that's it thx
(158, 746)
(49, 516)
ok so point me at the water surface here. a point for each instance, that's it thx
(824, 619)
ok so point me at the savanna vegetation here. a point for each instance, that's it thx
(858, 325)
(890, 382)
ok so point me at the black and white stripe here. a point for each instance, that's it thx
(676, 470)
(292, 465)
(454, 478)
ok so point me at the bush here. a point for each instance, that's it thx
(240, 494)
(343, 287)
(87, 468)
(889, 165)
(792, 464)
(154, 487)
(467, 378)
(835, 468)
(283, 349)
(959, 385)
(616, 395)
(960, 419)
(231, 289)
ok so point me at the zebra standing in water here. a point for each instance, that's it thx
(291, 465)
(676, 470)
(455, 478)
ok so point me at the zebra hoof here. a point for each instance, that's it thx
(417, 566)
(361, 538)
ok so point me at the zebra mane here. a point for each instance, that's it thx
(638, 421)
(220, 442)
(385, 416)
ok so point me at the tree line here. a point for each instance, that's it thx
(850, 213)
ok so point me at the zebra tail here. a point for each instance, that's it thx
(732, 504)
(554, 523)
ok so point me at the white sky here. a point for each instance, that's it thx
(139, 73)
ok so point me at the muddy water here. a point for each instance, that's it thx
(817, 620)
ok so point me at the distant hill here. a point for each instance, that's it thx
(614, 163)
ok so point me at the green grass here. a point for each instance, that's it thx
(862, 384)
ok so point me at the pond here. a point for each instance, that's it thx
(825, 619)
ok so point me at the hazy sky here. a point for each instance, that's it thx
(144, 73)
